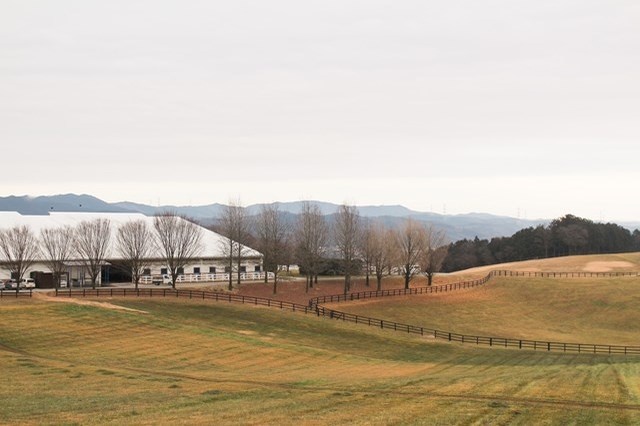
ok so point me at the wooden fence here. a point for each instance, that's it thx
(5, 294)
(399, 291)
(188, 294)
(503, 273)
(318, 310)
(463, 284)
(504, 342)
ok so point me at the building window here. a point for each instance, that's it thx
(243, 269)
(147, 271)
(257, 268)
(212, 269)
(196, 270)
(180, 271)
(163, 271)
(227, 269)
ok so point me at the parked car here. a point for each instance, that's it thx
(10, 284)
(28, 283)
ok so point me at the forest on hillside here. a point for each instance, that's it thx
(568, 235)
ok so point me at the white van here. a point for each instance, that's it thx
(27, 283)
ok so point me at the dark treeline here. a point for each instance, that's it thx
(568, 235)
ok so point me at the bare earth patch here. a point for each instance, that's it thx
(606, 266)
(105, 305)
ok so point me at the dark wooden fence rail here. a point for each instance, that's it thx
(357, 319)
(189, 294)
(5, 294)
(503, 273)
(463, 284)
(504, 342)
(400, 291)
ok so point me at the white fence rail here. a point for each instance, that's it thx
(194, 278)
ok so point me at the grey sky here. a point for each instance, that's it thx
(495, 106)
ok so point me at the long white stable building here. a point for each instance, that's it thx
(210, 265)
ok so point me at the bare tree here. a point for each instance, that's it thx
(382, 246)
(92, 243)
(435, 250)
(410, 239)
(273, 233)
(179, 241)
(135, 244)
(346, 234)
(57, 249)
(366, 249)
(311, 238)
(234, 226)
(18, 251)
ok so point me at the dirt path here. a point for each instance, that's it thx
(105, 305)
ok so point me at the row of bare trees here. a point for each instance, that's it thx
(412, 249)
(173, 239)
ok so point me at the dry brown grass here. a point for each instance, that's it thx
(622, 262)
(194, 362)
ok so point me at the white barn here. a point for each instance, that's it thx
(210, 265)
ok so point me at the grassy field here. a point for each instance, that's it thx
(191, 362)
(585, 263)
(584, 310)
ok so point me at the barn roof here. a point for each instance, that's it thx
(212, 241)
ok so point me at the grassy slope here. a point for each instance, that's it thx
(610, 262)
(571, 310)
(191, 362)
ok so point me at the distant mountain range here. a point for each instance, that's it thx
(457, 227)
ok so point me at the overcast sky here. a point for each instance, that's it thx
(527, 108)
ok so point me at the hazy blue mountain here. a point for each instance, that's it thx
(197, 212)
(66, 203)
(295, 207)
(469, 225)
